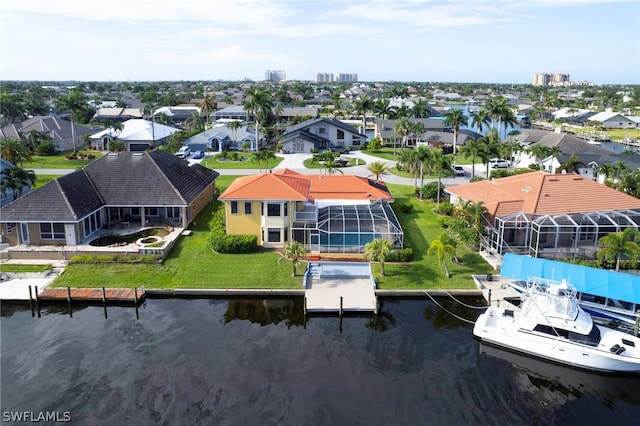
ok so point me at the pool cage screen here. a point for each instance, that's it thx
(347, 228)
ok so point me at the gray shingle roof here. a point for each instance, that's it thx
(155, 178)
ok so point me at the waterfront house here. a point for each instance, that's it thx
(221, 138)
(326, 213)
(137, 188)
(548, 215)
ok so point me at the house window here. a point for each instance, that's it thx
(151, 211)
(135, 211)
(273, 235)
(340, 135)
(355, 141)
(286, 235)
(273, 209)
(234, 207)
(173, 212)
(322, 131)
(286, 209)
(247, 208)
(52, 231)
(11, 226)
(322, 145)
(92, 223)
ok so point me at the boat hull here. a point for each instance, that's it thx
(495, 328)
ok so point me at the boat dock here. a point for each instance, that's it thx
(93, 295)
(340, 287)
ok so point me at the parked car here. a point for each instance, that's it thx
(197, 155)
(498, 163)
(458, 170)
(341, 162)
(183, 152)
(340, 149)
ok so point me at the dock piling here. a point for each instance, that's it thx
(104, 303)
(31, 302)
(37, 302)
(69, 301)
(340, 311)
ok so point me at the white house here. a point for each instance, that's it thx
(613, 120)
(136, 134)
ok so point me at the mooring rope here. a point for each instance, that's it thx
(464, 304)
(447, 311)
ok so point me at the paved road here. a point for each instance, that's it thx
(295, 162)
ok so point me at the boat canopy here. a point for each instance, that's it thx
(598, 282)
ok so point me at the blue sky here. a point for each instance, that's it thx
(490, 41)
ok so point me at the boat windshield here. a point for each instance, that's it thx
(591, 339)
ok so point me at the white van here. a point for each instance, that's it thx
(183, 152)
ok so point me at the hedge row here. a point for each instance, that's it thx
(403, 255)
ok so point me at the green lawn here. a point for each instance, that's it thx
(246, 162)
(191, 263)
(59, 161)
(42, 179)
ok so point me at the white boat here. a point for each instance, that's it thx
(605, 308)
(551, 325)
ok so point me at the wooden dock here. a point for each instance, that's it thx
(93, 295)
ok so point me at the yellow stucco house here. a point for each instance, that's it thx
(327, 214)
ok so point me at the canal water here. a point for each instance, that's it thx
(261, 362)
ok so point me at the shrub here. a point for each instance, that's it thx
(445, 208)
(401, 255)
(223, 155)
(430, 190)
(46, 148)
(374, 145)
(223, 243)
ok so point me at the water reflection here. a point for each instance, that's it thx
(266, 311)
(556, 385)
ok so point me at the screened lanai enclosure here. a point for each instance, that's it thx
(346, 228)
(558, 236)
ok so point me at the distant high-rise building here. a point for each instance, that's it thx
(346, 77)
(324, 77)
(270, 75)
(553, 79)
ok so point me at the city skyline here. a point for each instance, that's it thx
(493, 41)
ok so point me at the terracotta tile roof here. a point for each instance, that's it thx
(268, 186)
(290, 185)
(544, 193)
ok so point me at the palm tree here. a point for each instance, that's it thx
(421, 109)
(362, 105)
(489, 147)
(207, 105)
(260, 105)
(378, 168)
(377, 250)
(14, 179)
(471, 149)
(14, 151)
(234, 126)
(480, 120)
(439, 248)
(382, 107)
(539, 152)
(293, 252)
(455, 118)
(617, 245)
(440, 162)
(410, 162)
(12, 106)
(447, 239)
(417, 128)
(74, 102)
(263, 157)
(496, 107)
(402, 128)
(424, 157)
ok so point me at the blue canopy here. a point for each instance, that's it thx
(599, 282)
